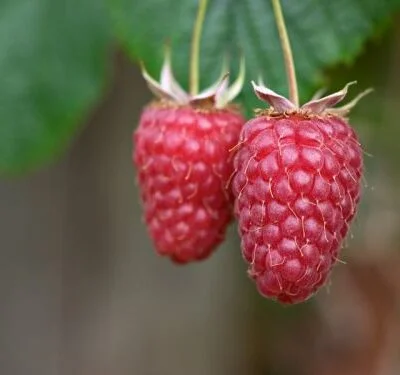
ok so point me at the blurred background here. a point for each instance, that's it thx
(83, 293)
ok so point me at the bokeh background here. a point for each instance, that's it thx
(83, 293)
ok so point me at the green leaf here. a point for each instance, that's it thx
(323, 33)
(52, 71)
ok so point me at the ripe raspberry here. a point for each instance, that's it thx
(297, 186)
(182, 153)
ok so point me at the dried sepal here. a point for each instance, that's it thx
(217, 84)
(278, 102)
(168, 81)
(319, 93)
(345, 109)
(217, 95)
(318, 106)
(232, 91)
(156, 88)
(210, 97)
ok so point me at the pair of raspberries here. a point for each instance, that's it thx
(290, 176)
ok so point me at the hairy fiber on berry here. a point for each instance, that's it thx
(183, 159)
(297, 185)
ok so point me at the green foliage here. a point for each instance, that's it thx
(52, 68)
(322, 32)
(54, 55)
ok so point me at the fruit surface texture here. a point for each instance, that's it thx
(296, 188)
(182, 154)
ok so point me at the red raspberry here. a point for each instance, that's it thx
(297, 187)
(182, 154)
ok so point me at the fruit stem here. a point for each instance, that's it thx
(287, 53)
(194, 53)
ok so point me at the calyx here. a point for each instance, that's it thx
(218, 95)
(318, 105)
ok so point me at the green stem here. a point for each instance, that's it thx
(287, 53)
(194, 54)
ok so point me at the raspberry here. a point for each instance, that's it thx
(182, 153)
(296, 188)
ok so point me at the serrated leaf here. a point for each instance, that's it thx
(53, 60)
(323, 33)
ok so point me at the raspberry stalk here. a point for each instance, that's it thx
(287, 53)
(195, 48)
